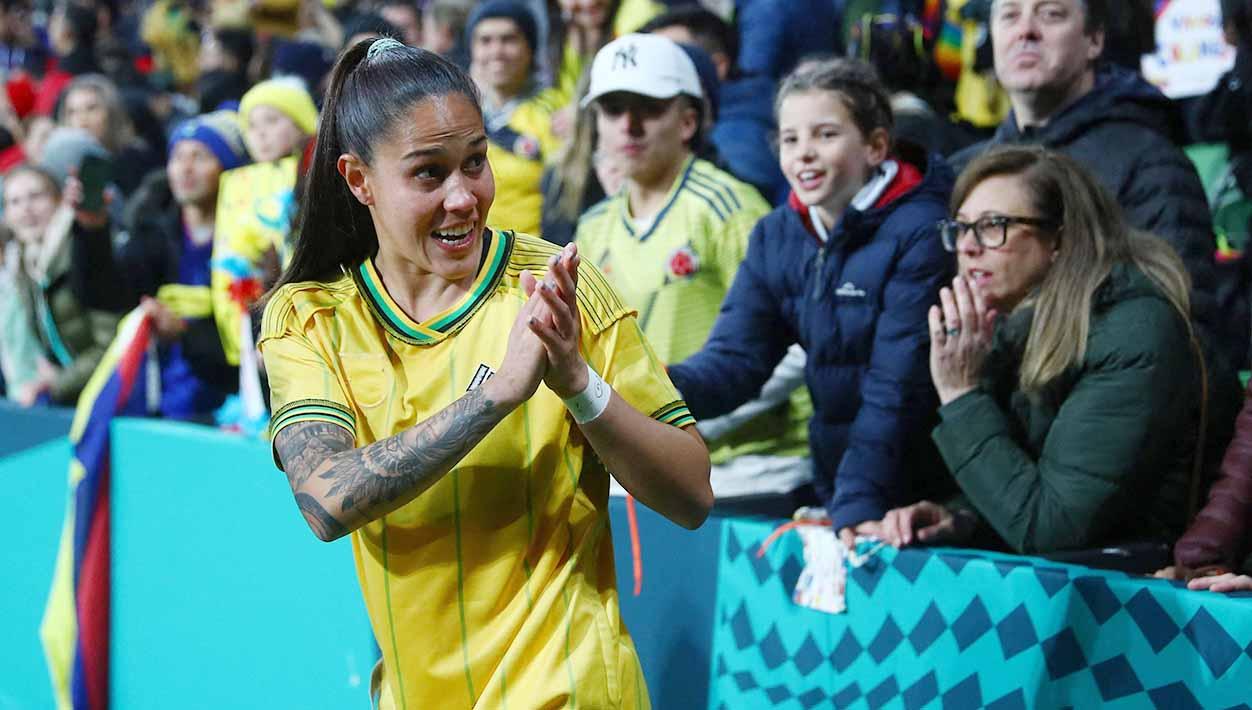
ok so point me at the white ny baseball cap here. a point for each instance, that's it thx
(644, 64)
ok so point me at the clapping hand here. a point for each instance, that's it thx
(557, 323)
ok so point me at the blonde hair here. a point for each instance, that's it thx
(1093, 238)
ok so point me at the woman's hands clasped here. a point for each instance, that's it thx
(960, 338)
(544, 341)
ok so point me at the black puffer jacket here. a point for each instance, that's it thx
(149, 254)
(1127, 133)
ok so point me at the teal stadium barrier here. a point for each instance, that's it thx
(221, 598)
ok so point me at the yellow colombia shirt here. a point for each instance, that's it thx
(495, 588)
(676, 272)
(518, 151)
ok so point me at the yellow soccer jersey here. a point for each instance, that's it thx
(677, 271)
(494, 588)
(254, 208)
(517, 152)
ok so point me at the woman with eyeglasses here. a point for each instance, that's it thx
(1072, 385)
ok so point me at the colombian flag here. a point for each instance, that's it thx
(75, 629)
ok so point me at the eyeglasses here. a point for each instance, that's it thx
(991, 232)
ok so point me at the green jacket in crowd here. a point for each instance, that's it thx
(1105, 453)
(75, 312)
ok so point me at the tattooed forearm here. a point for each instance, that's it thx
(322, 523)
(359, 485)
(304, 447)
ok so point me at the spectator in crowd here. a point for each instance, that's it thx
(20, 49)
(745, 123)
(1218, 544)
(72, 32)
(256, 203)
(225, 53)
(846, 269)
(570, 182)
(165, 258)
(891, 43)
(22, 362)
(278, 117)
(502, 36)
(443, 29)
(63, 256)
(404, 16)
(92, 103)
(671, 239)
(774, 35)
(1084, 417)
(1046, 58)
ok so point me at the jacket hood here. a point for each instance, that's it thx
(1119, 96)
(920, 175)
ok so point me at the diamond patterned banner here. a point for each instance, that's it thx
(946, 628)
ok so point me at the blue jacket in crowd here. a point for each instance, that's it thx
(774, 35)
(857, 305)
(745, 122)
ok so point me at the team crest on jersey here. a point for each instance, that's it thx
(526, 147)
(683, 262)
(483, 374)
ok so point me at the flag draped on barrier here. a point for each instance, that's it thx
(75, 629)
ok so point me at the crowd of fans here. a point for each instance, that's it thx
(961, 293)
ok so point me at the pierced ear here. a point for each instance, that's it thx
(355, 173)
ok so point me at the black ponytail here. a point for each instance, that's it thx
(366, 98)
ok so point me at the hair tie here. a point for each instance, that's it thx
(383, 44)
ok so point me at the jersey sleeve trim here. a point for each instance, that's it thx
(675, 413)
(313, 410)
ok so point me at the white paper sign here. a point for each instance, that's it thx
(1191, 50)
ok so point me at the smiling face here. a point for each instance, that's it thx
(29, 202)
(429, 188)
(648, 136)
(1043, 46)
(1006, 274)
(500, 57)
(823, 154)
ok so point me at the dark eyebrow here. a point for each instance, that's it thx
(478, 141)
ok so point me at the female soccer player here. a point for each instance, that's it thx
(406, 346)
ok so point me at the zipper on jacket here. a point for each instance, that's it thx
(819, 263)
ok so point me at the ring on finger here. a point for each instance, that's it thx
(952, 332)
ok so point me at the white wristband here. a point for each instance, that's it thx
(592, 401)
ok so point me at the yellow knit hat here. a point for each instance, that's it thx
(285, 93)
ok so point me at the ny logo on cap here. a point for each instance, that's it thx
(624, 57)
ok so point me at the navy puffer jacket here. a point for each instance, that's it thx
(857, 305)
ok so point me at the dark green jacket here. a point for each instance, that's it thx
(77, 312)
(1104, 454)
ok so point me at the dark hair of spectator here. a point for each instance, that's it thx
(81, 23)
(1095, 14)
(710, 32)
(238, 42)
(366, 100)
(853, 81)
(1092, 236)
